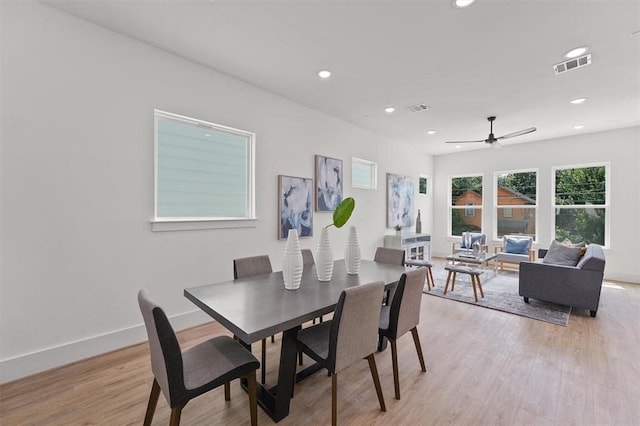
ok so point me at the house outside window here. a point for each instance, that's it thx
(516, 203)
(581, 203)
(465, 212)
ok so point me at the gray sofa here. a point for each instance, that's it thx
(578, 286)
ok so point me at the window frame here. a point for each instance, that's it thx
(606, 206)
(451, 206)
(373, 173)
(249, 219)
(497, 207)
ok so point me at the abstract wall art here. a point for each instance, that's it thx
(328, 183)
(295, 203)
(399, 200)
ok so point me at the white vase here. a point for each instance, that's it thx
(352, 253)
(324, 258)
(292, 262)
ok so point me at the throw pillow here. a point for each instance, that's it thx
(474, 238)
(582, 245)
(516, 246)
(559, 254)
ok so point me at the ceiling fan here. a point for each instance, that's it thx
(493, 140)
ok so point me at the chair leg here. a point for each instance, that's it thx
(334, 399)
(430, 275)
(299, 357)
(227, 391)
(416, 340)
(446, 286)
(479, 285)
(273, 339)
(263, 366)
(376, 381)
(394, 363)
(153, 401)
(175, 416)
(253, 400)
(473, 284)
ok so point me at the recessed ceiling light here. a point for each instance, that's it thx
(574, 53)
(578, 101)
(431, 132)
(458, 146)
(389, 109)
(578, 127)
(459, 4)
(324, 74)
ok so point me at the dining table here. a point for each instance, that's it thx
(257, 307)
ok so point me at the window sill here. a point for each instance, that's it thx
(198, 224)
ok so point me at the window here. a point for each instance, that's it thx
(582, 203)
(469, 212)
(364, 174)
(203, 171)
(516, 203)
(466, 204)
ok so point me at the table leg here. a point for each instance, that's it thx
(275, 401)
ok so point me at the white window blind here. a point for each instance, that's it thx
(204, 171)
(364, 174)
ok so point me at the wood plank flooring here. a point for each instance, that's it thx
(484, 367)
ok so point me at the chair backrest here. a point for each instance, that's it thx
(389, 255)
(405, 307)
(354, 328)
(166, 356)
(473, 237)
(251, 266)
(307, 258)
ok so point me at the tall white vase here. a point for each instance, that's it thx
(292, 262)
(324, 258)
(352, 253)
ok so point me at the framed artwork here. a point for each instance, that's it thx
(328, 183)
(399, 200)
(423, 185)
(295, 203)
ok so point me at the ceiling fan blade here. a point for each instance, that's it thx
(518, 133)
(464, 141)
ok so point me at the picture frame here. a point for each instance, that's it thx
(329, 183)
(424, 185)
(295, 206)
(400, 200)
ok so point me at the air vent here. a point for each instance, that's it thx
(418, 108)
(572, 64)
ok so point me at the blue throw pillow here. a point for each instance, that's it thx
(516, 246)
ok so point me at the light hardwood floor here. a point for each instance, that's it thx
(484, 367)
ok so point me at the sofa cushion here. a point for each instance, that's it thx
(517, 245)
(560, 254)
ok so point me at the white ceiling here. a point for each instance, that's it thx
(492, 58)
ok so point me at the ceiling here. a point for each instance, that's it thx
(492, 58)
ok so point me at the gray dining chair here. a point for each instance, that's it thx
(402, 316)
(307, 258)
(248, 267)
(393, 257)
(389, 255)
(349, 337)
(182, 376)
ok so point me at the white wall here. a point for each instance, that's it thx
(77, 184)
(621, 148)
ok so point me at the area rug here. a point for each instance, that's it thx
(500, 293)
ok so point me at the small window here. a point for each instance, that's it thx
(203, 171)
(364, 174)
(470, 211)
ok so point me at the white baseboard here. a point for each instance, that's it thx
(46, 359)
